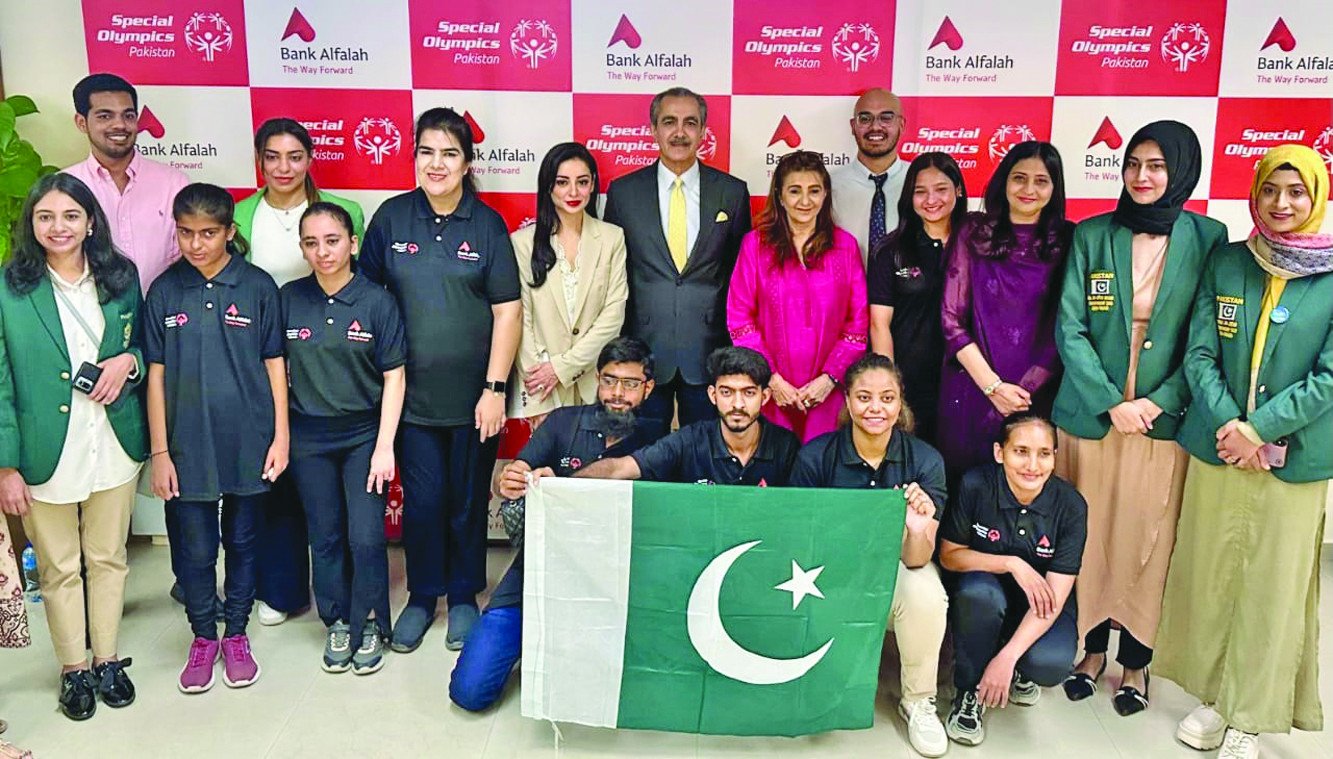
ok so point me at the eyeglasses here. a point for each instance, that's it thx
(865, 118)
(629, 383)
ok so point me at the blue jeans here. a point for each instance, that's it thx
(197, 522)
(347, 546)
(984, 611)
(483, 668)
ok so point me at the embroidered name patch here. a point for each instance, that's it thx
(1100, 297)
(1227, 306)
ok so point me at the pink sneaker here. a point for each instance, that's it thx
(239, 667)
(197, 675)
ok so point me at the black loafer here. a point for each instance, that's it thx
(113, 685)
(1080, 685)
(1127, 700)
(78, 695)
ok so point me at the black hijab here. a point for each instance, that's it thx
(1184, 159)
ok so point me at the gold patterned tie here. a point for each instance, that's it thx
(676, 235)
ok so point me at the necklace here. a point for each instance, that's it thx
(287, 218)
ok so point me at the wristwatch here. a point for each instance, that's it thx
(498, 388)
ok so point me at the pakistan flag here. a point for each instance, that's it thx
(706, 609)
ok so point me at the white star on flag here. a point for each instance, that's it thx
(801, 584)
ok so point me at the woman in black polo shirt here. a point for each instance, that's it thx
(1014, 534)
(345, 353)
(446, 257)
(877, 450)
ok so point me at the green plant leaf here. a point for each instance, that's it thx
(7, 118)
(15, 180)
(22, 105)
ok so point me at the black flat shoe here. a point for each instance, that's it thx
(1081, 685)
(1127, 699)
(113, 685)
(78, 695)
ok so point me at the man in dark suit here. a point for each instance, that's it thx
(683, 225)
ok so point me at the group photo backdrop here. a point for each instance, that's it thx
(975, 77)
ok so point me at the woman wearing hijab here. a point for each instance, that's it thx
(1240, 624)
(1121, 331)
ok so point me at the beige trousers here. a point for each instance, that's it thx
(917, 618)
(67, 536)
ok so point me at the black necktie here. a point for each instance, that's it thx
(877, 230)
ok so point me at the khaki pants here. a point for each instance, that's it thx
(917, 618)
(92, 532)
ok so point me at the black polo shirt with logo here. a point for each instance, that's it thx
(338, 348)
(697, 453)
(446, 271)
(831, 461)
(567, 441)
(212, 338)
(1048, 533)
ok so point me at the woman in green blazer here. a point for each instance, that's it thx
(72, 427)
(270, 221)
(1121, 332)
(1240, 626)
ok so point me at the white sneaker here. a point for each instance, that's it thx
(924, 728)
(1202, 728)
(269, 616)
(1023, 692)
(1239, 745)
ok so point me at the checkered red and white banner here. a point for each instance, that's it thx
(778, 74)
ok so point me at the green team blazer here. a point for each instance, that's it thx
(35, 372)
(1092, 327)
(245, 213)
(1294, 396)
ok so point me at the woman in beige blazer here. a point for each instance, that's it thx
(572, 269)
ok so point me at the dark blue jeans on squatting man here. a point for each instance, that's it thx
(984, 612)
(446, 473)
(492, 649)
(198, 525)
(283, 574)
(347, 545)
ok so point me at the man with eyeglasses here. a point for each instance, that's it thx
(866, 191)
(570, 438)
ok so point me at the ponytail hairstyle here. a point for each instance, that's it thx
(203, 199)
(448, 121)
(1022, 419)
(280, 126)
(333, 210)
(870, 362)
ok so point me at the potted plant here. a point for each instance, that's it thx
(20, 166)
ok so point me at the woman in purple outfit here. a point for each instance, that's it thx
(1000, 293)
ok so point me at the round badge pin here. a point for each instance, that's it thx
(1279, 315)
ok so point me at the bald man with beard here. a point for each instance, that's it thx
(865, 191)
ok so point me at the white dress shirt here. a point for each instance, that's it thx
(275, 244)
(853, 192)
(665, 178)
(92, 459)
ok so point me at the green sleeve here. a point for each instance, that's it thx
(1294, 407)
(134, 299)
(1083, 367)
(1203, 356)
(9, 422)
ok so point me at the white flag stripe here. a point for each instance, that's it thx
(574, 617)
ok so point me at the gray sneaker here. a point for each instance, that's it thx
(1023, 692)
(370, 656)
(338, 648)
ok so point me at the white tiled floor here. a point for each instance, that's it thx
(296, 710)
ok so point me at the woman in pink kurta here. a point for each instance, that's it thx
(798, 296)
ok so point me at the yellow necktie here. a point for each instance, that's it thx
(676, 236)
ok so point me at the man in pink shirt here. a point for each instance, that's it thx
(134, 192)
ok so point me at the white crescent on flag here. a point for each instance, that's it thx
(717, 647)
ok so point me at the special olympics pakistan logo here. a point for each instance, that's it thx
(1007, 136)
(1323, 145)
(1185, 44)
(377, 138)
(208, 34)
(533, 41)
(855, 44)
(707, 145)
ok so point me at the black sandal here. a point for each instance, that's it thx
(1127, 699)
(1081, 685)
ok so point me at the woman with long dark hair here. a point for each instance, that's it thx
(1001, 289)
(906, 280)
(798, 297)
(572, 269)
(72, 436)
(446, 256)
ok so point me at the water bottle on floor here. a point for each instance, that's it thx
(30, 583)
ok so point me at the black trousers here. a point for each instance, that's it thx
(283, 571)
(694, 403)
(446, 474)
(1131, 655)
